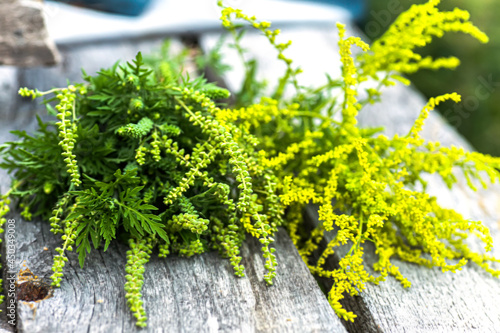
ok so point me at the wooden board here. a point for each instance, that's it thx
(198, 294)
(23, 35)
(437, 302)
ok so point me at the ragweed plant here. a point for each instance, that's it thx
(138, 153)
(144, 153)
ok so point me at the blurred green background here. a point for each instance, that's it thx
(477, 79)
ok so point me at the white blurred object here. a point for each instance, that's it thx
(69, 24)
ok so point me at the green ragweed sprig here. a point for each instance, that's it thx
(69, 236)
(140, 155)
(67, 130)
(155, 146)
(239, 161)
(66, 127)
(137, 258)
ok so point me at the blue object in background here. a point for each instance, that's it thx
(355, 7)
(136, 7)
(122, 7)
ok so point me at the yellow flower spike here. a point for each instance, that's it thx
(350, 109)
(433, 102)
(415, 28)
(290, 73)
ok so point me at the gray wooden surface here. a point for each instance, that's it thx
(23, 35)
(199, 294)
(437, 302)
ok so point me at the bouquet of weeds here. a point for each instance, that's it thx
(170, 167)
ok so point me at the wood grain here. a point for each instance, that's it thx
(23, 35)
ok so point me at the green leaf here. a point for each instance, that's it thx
(82, 252)
(147, 207)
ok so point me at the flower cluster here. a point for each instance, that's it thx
(137, 258)
(415, 28)
(229, 15)
(68, 238)
(362, 182)
(350, 108)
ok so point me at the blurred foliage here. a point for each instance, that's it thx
(477, 79)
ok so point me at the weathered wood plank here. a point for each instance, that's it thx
(5, 326)
(181, 294)
(436, 301)
(23, 35)
(198, 294)
(8, 87)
